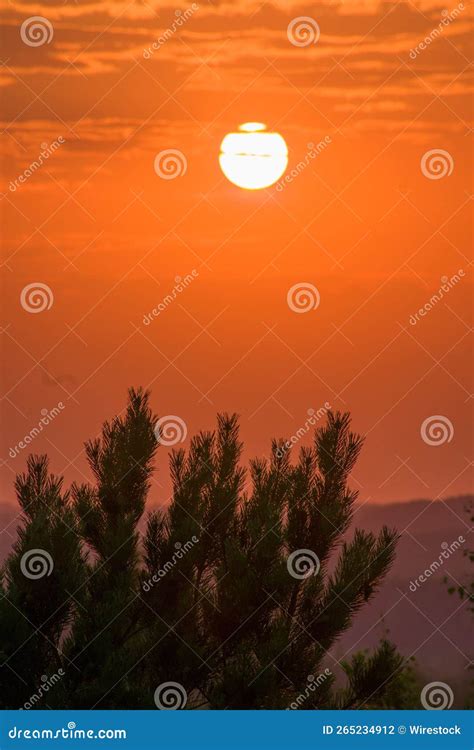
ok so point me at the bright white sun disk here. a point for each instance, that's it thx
(253, 158)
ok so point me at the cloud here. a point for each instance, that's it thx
(226, 54)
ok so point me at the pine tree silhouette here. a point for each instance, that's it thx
(232, 594)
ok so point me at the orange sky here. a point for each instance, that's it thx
(361, 222)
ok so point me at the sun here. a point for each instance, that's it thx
(253, 158)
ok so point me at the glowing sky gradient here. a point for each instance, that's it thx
(360, 221)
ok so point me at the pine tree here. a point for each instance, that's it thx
(37, 603)
(235, 594)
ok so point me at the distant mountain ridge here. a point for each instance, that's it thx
(413, 615)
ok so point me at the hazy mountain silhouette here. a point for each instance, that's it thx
(412, 617)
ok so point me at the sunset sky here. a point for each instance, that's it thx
(362, 222)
